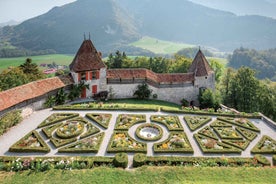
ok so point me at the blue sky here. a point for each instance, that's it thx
(20, 10)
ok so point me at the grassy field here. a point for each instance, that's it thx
(159, 46)
(146, 175)
(47, 59)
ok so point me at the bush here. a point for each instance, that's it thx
(120, 160)
(274, 160)
(139, 159)
(262, 160)
(10, 119)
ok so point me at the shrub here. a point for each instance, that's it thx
(139, 159)
(262, 160)
(120, 160)
(10, 119)
(274, 160)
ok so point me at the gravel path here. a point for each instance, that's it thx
(31, 122)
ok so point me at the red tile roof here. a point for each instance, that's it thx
(87, 58)
(145, 73)
(200, 65)
(31, 90)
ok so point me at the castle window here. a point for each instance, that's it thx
(206, 77)
(93, 75)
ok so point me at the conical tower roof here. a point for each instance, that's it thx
(200, 66)
(87, 58)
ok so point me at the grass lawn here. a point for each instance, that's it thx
(47, 59)
(144, 103)
(147, 175)
(159, 46)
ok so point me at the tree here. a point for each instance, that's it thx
(208, 99)
(50, 101)
(31, 70)
(76, 90)
(11, 78)
(61, 97)
(142, 91)
(217, 68)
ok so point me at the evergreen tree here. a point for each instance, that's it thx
(31, 70)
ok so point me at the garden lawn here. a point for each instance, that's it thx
(146, 175)
(145, 103)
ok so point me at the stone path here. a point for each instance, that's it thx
(31, 122)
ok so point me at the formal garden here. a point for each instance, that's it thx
(93, 135)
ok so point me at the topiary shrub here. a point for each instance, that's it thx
(262, 160)
(120, 160)
(139, 159)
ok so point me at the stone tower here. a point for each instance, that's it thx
(88, 67)
(204, 76)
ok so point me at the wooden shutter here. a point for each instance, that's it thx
(91, 75)
(79, 77)
(87, 75)
(97, 74)
(94, 89)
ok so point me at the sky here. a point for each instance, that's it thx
(20, 10)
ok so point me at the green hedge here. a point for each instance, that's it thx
(274, 160)
(138, 129)
(87, 145)
(247, 125)
(139, 159)
(120, 160)
(61, 142)
(208, 132)
(92, 116)
(20, 147)
(210, 147)
(241, 144)
(48, 131)
(249, 135)
(57, 117)
(232, 133)
(9, 120)
(265, 145)
(195, 122)
(176, 143)
(195, 161)
(262, 160)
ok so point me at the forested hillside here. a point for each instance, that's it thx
(264, 62)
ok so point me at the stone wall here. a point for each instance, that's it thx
(171, 94)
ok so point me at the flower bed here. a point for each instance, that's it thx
(208, 132)
(218, 123)
(101, 119)
(242, 122)
(141, 159)
(227, 133)
(195, 122)
(247, 133)
(241, 144)
(32, 142)
(61, 142)
(48, 131)
(125, 121)
(171, 122)
(149, 132)
(70, 129)
(58, 140)
(265, 145)
(208, 145)
(177, 142)
(87, 145)
(57, 117)
(122, 142)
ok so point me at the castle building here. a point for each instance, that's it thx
(88, 67)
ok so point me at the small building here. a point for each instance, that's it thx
(88, 67)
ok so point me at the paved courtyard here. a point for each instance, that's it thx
(31, 122)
